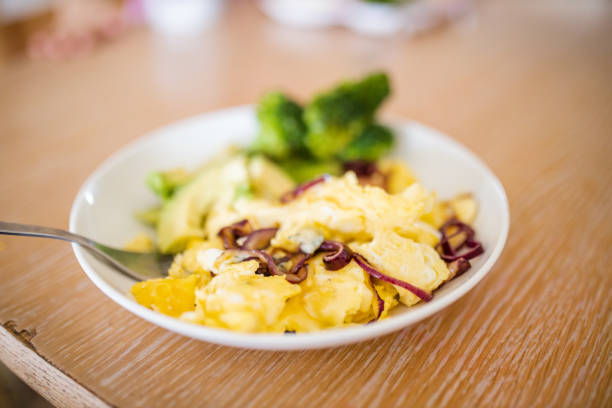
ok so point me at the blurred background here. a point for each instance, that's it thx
(60, 29)
(111, 70)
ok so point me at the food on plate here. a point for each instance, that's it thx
(338, 117)
(358, 236)
(140, 243)
(337, 125)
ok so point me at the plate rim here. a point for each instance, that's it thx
(279, 341)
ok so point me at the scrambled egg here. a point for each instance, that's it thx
(171, 296)
(239, 299)
(395, 231)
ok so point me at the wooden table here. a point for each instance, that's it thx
(527, 87)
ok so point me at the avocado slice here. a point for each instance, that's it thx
(267, 179)
(182, 217)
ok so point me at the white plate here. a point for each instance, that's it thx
(104, 208)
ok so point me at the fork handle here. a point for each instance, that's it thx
(26, 230)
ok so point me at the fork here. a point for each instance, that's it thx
(136, 265)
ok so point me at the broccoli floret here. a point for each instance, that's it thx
(282, 127)
(165, 183)
(370, 145)
(304, 170)
(336, 117)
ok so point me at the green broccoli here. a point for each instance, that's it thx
(370, 145)
(301, 170)
(165, 183)
(282, 128)
(336, 117)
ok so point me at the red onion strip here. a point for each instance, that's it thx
(458, 267)
(293, 194)
(363, 263)
(230, 233)
(300, 263)
(259, 239)
(338, 257)
(299, 271)
(299, 276)
(475, 250)
(361, 168)
(282, 259)
(381, 303)
(367, 172)
(261, 256)
(449, 253)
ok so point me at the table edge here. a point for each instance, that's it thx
(19, 354)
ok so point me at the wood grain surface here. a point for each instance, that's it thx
(526, 85)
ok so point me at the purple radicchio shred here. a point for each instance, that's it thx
(299, 276)
(293, 194)
(282, 259)
(458, 267)
(338, 255)
(232, 232)
(342, 254)
(361, 168)
(449, 252)
(259, 239)
(475, 249)
(463, 229)
(262, 257)
(380, 302)
(301, 259)
(368, 173)
(299, 270)
(269, 266)
(365, 265)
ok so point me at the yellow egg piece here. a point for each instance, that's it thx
(439, 214)
(169, 296)
(336, 298)
(388, 294)
(399, 176)
(465, 207)
(402, 258)
(241, 300)
(186, 263)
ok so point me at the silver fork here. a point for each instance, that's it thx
(136, 265)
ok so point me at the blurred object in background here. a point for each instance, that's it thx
(61, 29)
(371, 17)
(13, 10)
(18, 19)
(77, 27)
(304, 13)
(182, 17)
